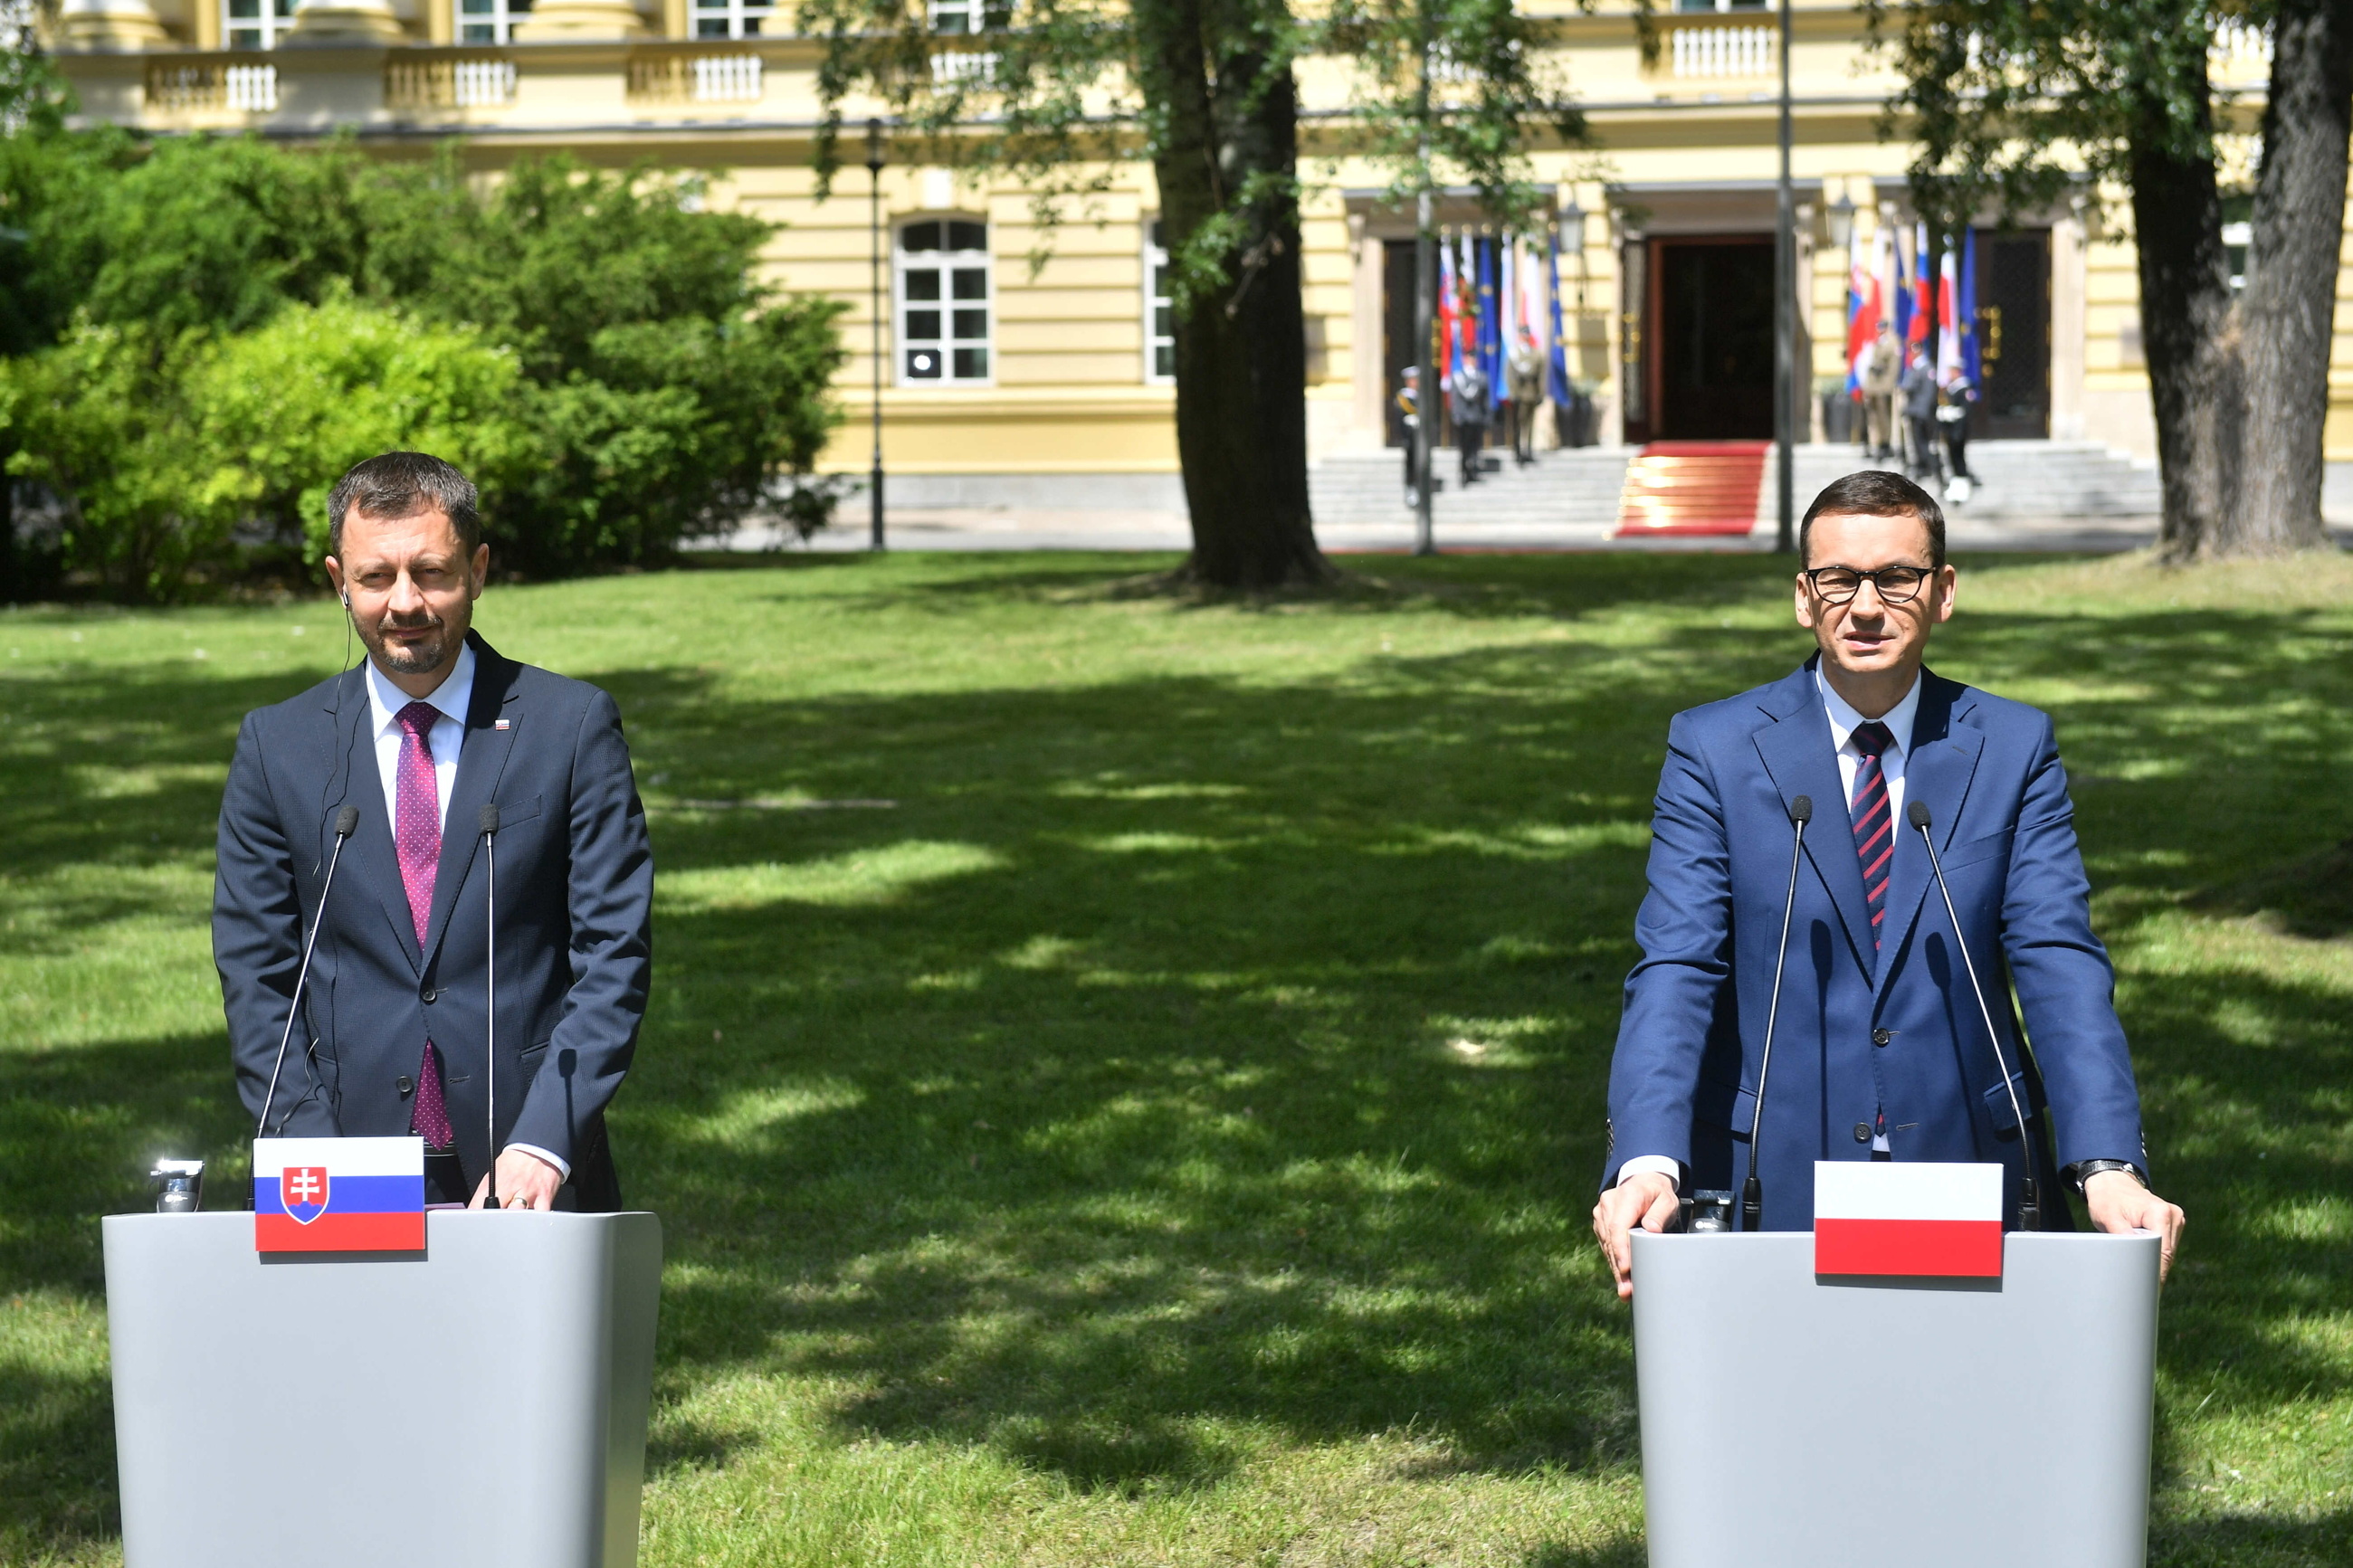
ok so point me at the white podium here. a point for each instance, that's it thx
(479, 1405)
(1791, 1421)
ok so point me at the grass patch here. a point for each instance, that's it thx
(1125, 1073)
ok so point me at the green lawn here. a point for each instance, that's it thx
(1125, 1077)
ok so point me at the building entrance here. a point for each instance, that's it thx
(1711, 362)
(2013, 335)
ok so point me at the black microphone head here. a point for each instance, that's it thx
(1802, 808)
(489, 816)
(347, 822)
(1915, 812)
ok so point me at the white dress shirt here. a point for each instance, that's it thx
(447, 739)
(1844, 722)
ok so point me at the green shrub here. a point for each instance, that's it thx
(176, 451)
(633, 383)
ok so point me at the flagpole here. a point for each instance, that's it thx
(1785, 343)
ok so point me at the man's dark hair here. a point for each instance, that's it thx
(1876, 493)
(402, 484)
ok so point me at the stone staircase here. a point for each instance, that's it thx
(1573, 486)
(2017, 480)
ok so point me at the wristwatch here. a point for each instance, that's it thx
(2084, 1171)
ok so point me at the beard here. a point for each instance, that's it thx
(413, 658)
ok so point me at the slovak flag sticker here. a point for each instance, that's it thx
(1889, 1218)
(303, 1190)
(339, 1195)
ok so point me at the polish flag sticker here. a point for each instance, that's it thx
(1888, 1217)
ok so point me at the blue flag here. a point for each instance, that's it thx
(1966, 313)
(1491, 329)
(1559, 369)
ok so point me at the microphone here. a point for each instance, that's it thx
(2030, 1209)
(489, 820)
(347, 821)
(1752, 1191)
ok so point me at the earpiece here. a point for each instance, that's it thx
(347, 599)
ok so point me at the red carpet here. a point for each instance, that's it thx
(1693, 487)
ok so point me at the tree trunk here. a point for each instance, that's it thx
(2195, 375)
(2287, 314)
(1231, 132)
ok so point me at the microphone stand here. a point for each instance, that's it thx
(1752, 1191)
(489, 820)
(347, 821)
(2030, 1207)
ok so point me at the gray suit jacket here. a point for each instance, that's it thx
(574, 921)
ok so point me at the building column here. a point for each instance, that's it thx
(345, 22)
(581, 21)
(2070, 234)
(111, 25)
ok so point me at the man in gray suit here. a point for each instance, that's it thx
(430, 728)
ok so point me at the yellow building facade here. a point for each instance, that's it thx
(992, 369)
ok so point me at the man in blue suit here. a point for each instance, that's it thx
(1879, 1051)
(431, 727)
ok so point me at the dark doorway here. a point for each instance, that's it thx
(1713, 327)
(2013, 335)
(1397, 263)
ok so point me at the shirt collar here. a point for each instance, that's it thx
(1845, 721)
(452, 696)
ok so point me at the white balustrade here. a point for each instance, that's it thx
(251, 89)
(726, 78)
(473, 83)
(1730, 51)
(964, 65)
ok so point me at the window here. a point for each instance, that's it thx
(970, 15)
(1159, 317)
(490, 21)
(730, 18)
(256, 24)
(943, 302)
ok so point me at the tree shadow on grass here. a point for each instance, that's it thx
(57, 1462)
(1186, 1059)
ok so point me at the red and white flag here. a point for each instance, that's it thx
(1884, 1218)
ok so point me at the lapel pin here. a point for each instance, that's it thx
(501, 724)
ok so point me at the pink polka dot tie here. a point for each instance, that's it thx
(416, 841)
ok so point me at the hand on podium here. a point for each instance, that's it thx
(2119, 1204)
(525, 1182)
(1646, 1199)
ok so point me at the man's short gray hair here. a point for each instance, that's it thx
(402, 484)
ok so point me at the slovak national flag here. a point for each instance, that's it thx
(339, 1195)
(1889, 1217)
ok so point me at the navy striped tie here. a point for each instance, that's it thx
(1875, 823)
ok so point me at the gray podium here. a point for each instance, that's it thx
(481, 1406)
(1790, 1421)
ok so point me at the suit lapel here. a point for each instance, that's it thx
(1937, 769)
(1798, 755)
(481, 759)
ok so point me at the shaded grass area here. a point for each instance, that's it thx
(1125, 1075)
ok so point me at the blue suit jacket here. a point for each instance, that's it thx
(574, 920)
(1684, 1078)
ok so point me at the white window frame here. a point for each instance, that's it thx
(741, 19)
(968, 17)
(905, 310)
(269, 24)
(1156, 264)
(499, 18)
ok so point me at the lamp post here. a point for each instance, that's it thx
(1427, 396)
(1785, 322)
(874, 311)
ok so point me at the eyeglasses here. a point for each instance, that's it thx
(1840, 585)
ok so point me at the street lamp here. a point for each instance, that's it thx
(1785, 320)
(874, 311)
(1841, 222)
